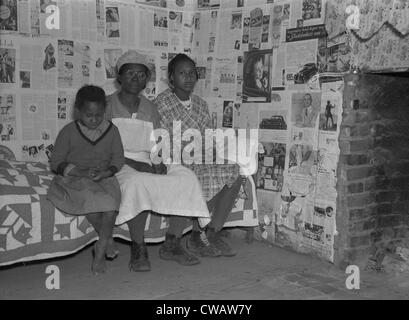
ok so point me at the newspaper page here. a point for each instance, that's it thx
(38, 64)
(204, 65)
(176, 39)
(280, 16)
(112, 21)
(10, 16)
(39, 116)
(111, 57)
(224, 77)
(257, 76)
(307, 12)
(205, 30)
(8, 57)
(208, 4)
(100, 18)
(35, 17)
(301, 61)
(271, 164)
(83, 20)
(162, 72)
(230, 23)
(279, 66)
(8, 125)
(36, 151)
(215, 106)
(128, 25)
(256, 22)
(160, 29)
(239, 82)
(274, 119)
(305, 109)
(43, 16)
(188, 31)
(65, 108)
(229, 4)
(74, 63)
(24, 13)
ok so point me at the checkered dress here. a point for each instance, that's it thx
(212, 177)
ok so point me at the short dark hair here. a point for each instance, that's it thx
(89, 93)
(179, 58)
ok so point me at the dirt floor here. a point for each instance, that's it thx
(259, 271)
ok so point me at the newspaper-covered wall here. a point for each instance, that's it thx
(258, 63)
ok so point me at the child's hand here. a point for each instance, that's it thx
(77, 172)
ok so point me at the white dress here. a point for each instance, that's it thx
(176, 193)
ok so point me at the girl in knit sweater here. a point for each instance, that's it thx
(86, 155)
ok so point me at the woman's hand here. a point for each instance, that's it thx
(97, 174)
(160, 168)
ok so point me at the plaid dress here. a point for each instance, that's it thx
(213, 177)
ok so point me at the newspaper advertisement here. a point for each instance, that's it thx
(270, 174)
(239, 84)
(305, 109)
(65, 108)
(273, 124)
(205, 29)
(231, 25)
(208, 4)
(176, 40)
(24, 16)
(8, 125)
(43, 16)
(319, 227)
(36, 151)
(256, 73)
(248, 118)
(224, 77)
(111, 57)
(112, 24)
(229, 4)
(74, 63)
(100, 16)
(204, 66)
(256, 22)
(279, 75)
(215, 106)
(7, 67)
(38, 65)
(9, 16)
(301, 61)
(39, 116)
(188, 31)
(280, 16)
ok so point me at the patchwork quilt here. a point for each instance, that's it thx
(31, 228)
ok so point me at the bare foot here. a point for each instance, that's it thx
(111, 251)
(98, 262)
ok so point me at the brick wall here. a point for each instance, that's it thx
(373, 171)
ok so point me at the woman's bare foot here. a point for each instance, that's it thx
(111, 251)
(98, 261)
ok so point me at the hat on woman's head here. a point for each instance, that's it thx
(131, 56)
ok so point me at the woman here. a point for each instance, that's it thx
(141, 190)
(220, 183)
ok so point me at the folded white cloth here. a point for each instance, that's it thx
(137, 138)
(176, 193)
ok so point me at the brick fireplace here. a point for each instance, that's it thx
(373, 170)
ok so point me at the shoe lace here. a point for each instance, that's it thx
(204, 239)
